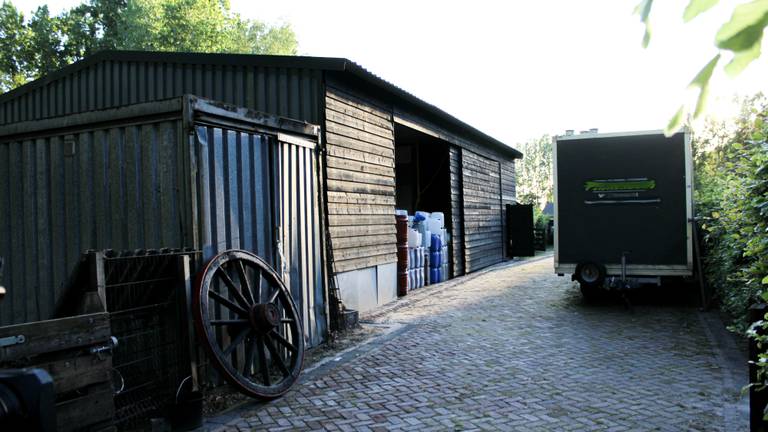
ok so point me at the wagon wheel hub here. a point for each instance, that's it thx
(264, 317)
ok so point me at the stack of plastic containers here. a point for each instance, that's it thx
(401, 224)
(436, 259)
(415, 267)
(427, 242)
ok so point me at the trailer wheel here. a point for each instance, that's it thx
(590, 274)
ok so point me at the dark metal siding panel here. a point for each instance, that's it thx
(235, 209)
(508, 191)
(282, 91)
(482, 211)
(64, 194)
(302, 270)
(235, 184)
(457, 212)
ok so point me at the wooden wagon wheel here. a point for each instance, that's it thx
(248, 323)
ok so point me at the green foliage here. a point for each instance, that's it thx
(534, 172)
(696, 7)
(732, 198)
(540, 220)
(35, 46)
(741, 36)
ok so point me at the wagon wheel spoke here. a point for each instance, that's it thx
(258, 283)
(233, 288)
(237, 341)
(265, 354)
(276, 355)
(250, 351)
(283, 341)
(274, 295)
(263, 366)
(227, 303)
(244, 284)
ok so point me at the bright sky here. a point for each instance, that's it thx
(517, 70)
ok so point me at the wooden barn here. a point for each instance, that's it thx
(380, 148)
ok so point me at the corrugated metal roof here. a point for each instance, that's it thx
(299, 62)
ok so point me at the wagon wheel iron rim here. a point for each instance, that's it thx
(249, 324)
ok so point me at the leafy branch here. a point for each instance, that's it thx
(740, 36)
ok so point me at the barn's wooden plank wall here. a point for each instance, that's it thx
(482, 211)
(361, 181)
(508, 192)
(457, 212)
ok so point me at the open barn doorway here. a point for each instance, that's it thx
(422, 178)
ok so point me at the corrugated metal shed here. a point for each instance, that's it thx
(172, 174)
(283, 85)
(356, 109)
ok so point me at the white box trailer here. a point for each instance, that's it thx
(623, 208)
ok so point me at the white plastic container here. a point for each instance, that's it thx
(435, 225)
(413, 238)
(440, 216)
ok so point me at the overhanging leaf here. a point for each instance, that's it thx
(696, 7)
(745, 28)
(701, 79)
(742, 59)
(644, 10)
(701, 102)
(675, 122)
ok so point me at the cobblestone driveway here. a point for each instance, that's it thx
(517, 349)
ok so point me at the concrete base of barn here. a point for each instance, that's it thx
(366, 289)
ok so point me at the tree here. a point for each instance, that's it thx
(35, 46)
(740, 36)
(534, 172)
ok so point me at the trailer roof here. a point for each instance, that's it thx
(612, 134)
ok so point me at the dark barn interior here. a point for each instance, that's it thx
(422, 173)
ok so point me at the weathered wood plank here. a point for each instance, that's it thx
(354, 101)
(360, 209)
(94, 407)
(75, 372)
(332, 104)
(359, 241)
(348, 186)
(349, 132)
(339, 232)
(361, 167)
(358, 198)
(55, 335)
(361, 263)
(359, 124)
(363, 251)
(360, 177)
(357, 155)
(354, 143)
(350, 220)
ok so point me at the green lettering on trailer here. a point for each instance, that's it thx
(619, 185)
